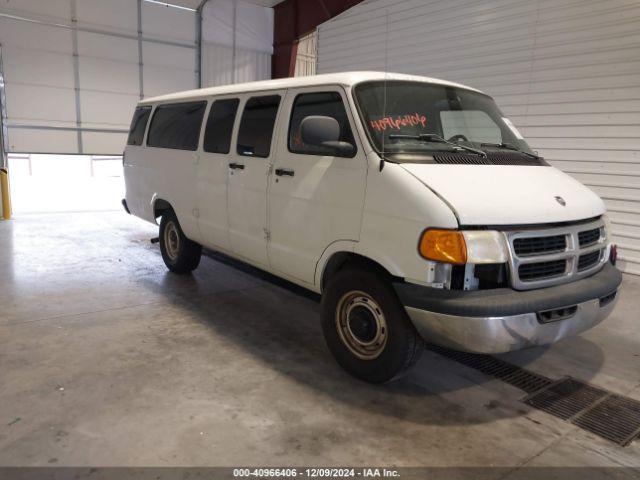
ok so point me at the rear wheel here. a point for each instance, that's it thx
(366, 328)
(180, 254)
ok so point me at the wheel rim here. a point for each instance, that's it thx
(361, 325)
(171, 240)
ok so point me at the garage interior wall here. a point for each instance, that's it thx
(3, 115)
(566, 72)
(237, 42)
(74, 69)
(306, 55)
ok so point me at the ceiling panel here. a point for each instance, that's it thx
(265, 3)
(195, 3)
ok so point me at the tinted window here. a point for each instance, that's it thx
(256, 126)
(217, 136)
(176, 126)
(138, 125)
(328, 104)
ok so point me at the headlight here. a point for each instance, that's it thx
(458, 248)
(485, 246)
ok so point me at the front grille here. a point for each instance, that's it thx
(589, 237)
(538, 245)
(541, 270)
(588, 260)
(545, 257)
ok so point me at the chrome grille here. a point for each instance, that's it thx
(538, 245)
(589, 237)
(588, 260)
(545, 257)
(539, 270)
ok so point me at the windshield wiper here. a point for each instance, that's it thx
(432, 137)
(510, 146)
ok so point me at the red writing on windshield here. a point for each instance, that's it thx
(399, 121)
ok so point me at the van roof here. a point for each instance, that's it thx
(346, 78)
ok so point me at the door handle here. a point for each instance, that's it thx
(283, 172)
(236, 166)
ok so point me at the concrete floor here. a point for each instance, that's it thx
(107, 359)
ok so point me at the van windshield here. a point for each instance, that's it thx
(401, 115)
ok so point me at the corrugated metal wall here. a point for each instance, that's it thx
(75, 69)
(567, 72)
(237, 42)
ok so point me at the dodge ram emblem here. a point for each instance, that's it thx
(560, 200)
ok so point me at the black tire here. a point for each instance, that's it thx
(393, 352)
(180, 254)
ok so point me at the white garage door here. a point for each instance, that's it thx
(567, 72)
(74, 69)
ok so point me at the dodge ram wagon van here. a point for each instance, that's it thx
(411, 204)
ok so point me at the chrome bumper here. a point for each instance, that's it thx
(504, 334)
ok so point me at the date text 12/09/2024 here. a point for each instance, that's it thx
(315, 473)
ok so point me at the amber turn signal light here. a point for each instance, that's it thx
(443, 246)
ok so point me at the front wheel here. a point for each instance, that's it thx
(366, 328)
(180, 254)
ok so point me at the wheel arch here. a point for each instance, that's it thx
(159, 207)
(342, 259)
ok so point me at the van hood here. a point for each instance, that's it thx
(508, 194)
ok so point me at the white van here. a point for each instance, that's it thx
(411, 204)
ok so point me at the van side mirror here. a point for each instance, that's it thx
(324, 132)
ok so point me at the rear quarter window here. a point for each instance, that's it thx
(138, 125)
(176, 126)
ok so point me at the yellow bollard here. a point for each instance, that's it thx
(4, 191)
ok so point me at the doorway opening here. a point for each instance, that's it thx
(65, 183)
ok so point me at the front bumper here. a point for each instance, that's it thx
(502, 320)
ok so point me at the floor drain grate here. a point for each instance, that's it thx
(615, 418)
(512, 374)
(565, 398)
(598, 411)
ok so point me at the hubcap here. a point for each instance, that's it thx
(361, 325)
(172, 240)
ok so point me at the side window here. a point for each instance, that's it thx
(138, 125)
(176, 126)
(217, 136)
(327, 104)
(256, 126)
